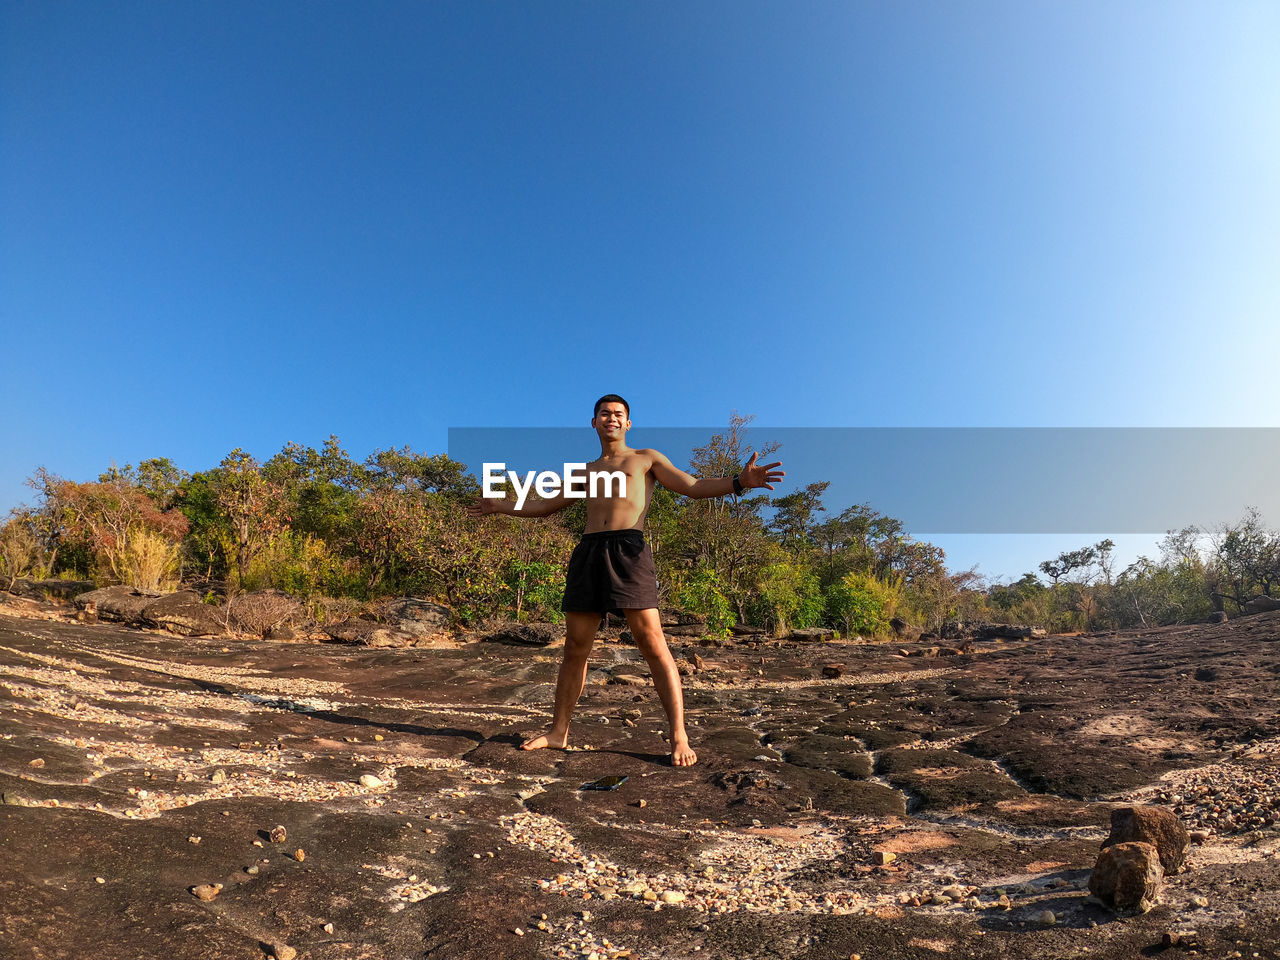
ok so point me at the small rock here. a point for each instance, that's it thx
(99, 879)
(370, 782)
(219, 776)
(206, 891)
(193, 839)
(299, 854)
(378, 737)
(279, 834)
(1046, 918)
(1200, 901)
(37, 762)
(642, 803)
(282, 951)
(328, 928)
(672, 896)
(883, 857)
(518, 932)
(252, 870)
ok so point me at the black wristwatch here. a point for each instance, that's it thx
(737, 487)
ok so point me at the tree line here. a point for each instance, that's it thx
(317, 524)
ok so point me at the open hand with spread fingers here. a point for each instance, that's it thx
(481, 508)
(760, 475)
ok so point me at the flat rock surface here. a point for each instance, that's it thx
(135, 766)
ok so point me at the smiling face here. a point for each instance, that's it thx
(611, 420)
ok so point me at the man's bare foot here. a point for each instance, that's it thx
(682, 754)
(548, 739)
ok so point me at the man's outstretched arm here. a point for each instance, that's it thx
(752, 476)
(531, 508)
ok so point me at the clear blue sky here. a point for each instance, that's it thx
(240, 224)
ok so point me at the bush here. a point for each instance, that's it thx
(787, 596)
(861, 603)
(702, 593)
(150, 562)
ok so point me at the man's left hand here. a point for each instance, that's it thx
(760, 475)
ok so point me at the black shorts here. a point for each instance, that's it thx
(610, 571)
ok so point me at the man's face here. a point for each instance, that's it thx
(611, 420)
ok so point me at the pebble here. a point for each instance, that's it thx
(193, 839)
(370, 782)
(1046, 918)
(206, 891)
(219, 776)
(672, 896)
(279, 834)
(328, 928)
(99, 879)
(299, 854)
(282, 951)
(1225, 798)
(252, 870)
(882, 857)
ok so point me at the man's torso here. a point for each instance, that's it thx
(615, 512)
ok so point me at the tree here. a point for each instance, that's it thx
(1247, 559)
(19, 548)
(251, 504)
(794, 524)
(119, 521)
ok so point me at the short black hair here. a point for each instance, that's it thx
(610, 398)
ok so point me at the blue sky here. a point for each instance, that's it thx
(239, 224)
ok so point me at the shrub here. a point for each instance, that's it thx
(702, 593)
(150, 561)
(861, 603)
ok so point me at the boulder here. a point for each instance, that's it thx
(1009, 631)
(678, 618)
(903, 629)
(1218, 616)
(184, 613)
(741, 630)
(811, 634)
(416, 618)
(685, 630)
(1127, 877)
(956, 630)
(1156, 826)
(526, 634)
(120, 603)
(366, 633)
(59, 591)
(1262, 604)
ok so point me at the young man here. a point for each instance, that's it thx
(612, 569)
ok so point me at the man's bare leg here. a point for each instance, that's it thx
(580, 634)
(646, 627)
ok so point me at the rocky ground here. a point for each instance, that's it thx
(909, 807)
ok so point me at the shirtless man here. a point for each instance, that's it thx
(612, 567)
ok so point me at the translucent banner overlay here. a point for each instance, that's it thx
(967, 479)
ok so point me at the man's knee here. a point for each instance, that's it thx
(578, 648)
(653, 648)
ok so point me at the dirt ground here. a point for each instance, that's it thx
(136, 766)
